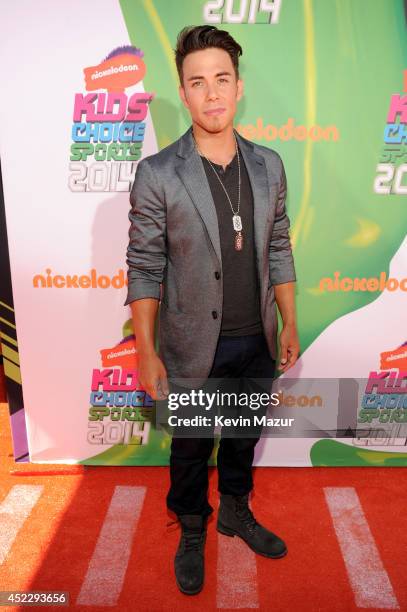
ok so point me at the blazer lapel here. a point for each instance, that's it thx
(257, 171)
(192, 173)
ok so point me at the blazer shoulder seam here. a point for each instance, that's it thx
(267, 151)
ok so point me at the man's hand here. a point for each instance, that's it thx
(151, 371)
(153, 375)
(289, 347)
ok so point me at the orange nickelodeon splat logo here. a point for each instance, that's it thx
(122, 68)
(123, 355)
(394, 359)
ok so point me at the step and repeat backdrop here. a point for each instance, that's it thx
(89, 90)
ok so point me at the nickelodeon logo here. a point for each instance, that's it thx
(372, 284)
(122, 68)
(93, 280)
(288, 131)
(299, 401)
(394, 359)
(122, 355)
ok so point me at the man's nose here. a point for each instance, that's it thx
(212, 93)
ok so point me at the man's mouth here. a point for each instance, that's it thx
(215, 111)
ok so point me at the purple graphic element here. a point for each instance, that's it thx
(19, 434)
(124, 49)
(127, 338)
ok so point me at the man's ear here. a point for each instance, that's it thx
(240, 88)
(181, 92)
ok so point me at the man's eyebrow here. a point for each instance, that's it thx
(193, 78)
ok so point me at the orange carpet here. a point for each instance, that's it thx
(53, 548)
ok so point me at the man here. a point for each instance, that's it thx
(209, 229)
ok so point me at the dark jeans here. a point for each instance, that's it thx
(238, 357)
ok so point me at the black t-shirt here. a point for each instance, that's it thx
(241, 295)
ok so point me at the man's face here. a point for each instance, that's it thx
(210, 91)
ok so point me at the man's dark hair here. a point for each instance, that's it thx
(194, 38)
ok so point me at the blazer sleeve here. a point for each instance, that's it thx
(281, 260)
(146, 252)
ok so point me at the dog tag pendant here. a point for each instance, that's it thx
(237, 223)
(239, 241)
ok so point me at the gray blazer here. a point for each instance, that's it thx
(174, 250)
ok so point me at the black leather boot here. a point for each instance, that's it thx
(236, 518)
(189, 559)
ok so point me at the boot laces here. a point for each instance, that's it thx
(193, 539)
(244, 514)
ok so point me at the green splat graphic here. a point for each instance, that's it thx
(334, 453)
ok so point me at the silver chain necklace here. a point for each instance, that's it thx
(237, 221)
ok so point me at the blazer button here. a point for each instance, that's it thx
(217, 275)
(214, 314)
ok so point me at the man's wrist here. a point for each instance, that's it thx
(290, 323)
(146, 351)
